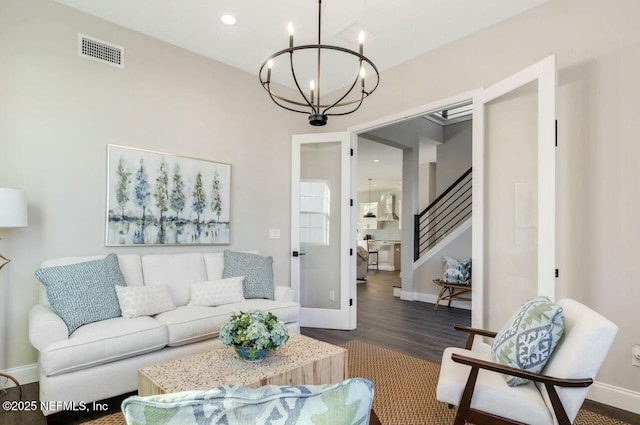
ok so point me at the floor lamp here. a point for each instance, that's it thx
(13, 213)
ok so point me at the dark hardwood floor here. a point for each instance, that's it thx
(413, 328)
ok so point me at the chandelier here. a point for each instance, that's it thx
(311, 103)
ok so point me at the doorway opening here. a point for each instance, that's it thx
(414, 161)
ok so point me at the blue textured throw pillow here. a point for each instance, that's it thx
(528, 339)
(456, 271)
(346, 403)
(256, 269)
(84, 292)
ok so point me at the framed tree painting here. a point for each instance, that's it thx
(156, 198)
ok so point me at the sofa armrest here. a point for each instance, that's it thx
(284, 293)
(45, 327)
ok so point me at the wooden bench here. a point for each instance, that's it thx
(451, 291)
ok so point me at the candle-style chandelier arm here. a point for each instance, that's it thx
(315, 46)
(355, 81)
(295, 80)
(274, 96)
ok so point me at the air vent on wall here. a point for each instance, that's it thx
(101, 51)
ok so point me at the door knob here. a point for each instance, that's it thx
(296, 253)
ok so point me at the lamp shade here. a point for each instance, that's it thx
(13, 208)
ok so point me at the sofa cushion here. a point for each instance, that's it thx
(345, 403)
(525, 404)
(256, 269)
(177, 271)
(84, 292)
(286, 311)
(187, 324)
(529, 337)
(103, 342)
(217, 292)
(136, 301)
(214, 263)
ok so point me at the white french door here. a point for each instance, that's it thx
(321, 229)
(513, 193)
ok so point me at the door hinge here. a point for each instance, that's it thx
(351, 152)
(350, 202)
(350, 302)
(556, 133)
(557, 272)
(350, 251)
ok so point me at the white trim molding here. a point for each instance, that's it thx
(610, 395)
(26, 374)
(432, 298)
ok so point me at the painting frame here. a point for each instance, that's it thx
(162, 199)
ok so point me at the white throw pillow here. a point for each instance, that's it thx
(136, 301)
(217, 292)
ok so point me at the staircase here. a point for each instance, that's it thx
(446, 217)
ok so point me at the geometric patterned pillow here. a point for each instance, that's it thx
(256, 269)
(456, 271)
(84, 292)
(136, 301)
(346, 403)
(528, 339)
(217, 292)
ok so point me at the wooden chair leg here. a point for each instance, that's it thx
(15, 381)
(465, 401)
(442, 291)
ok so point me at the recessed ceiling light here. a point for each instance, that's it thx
(376, 160)
(228, 19)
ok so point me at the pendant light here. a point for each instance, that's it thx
(345, 102)
(369, 214)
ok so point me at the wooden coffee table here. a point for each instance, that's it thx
(302, 361)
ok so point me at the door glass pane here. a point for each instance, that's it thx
(320, 182)
(510, 215)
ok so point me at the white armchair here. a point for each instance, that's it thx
(470, 379)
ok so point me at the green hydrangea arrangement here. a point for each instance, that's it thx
(255, 329)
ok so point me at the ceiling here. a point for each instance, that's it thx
(396, 30)
(386, 174)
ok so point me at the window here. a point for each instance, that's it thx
(315, 199)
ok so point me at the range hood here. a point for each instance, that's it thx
(387, 207)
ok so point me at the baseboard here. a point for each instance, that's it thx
(24, 375)
(431, 298)
(615, 396)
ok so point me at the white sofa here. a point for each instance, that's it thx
(101, 359)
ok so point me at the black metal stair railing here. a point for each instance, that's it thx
(451, 208)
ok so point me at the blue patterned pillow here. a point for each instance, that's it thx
(528, 339)
(256, 269)
(456, 271)
(346, 403)
(84, 292)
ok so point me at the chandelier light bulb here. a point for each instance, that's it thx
(312, 85)
(290, 28)
(363, 73)
(269, 66)
(361, 37)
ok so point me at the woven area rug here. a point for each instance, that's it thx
(405, 389)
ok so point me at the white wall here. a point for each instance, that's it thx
(425, 289)
(598, 52)
(454, 155)
(58, 112)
